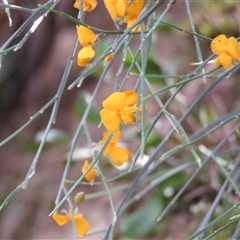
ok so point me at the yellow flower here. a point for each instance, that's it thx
(118, 155)
(116, 8)
(133, 12)
(82, 225)
(88, 5)
(227, 49)
(225, 60)
(86, 38)
(85, 55)
(90, 176)
(119, 106)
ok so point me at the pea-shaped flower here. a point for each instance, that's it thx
(118, 155)
(228, 50)
(88, 5)
(86, 38)
(119, 106)
(90, 176)
(81, 224)
(116, 8)
(133, 12)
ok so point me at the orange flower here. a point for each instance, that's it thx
(116, 8)
(119, 106)
(118, 155)
(227, 49)
(88, 5)
(90, 176)
(85, 55)
(82, 225)
(133, 12)
(120, 9)
(225, 60)
(86, 38)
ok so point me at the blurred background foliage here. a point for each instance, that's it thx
(29, 78)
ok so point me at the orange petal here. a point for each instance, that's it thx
(128, 116)
(110, 119)
(115, 101)
(225, 60)
(85, 55)
(121, 7)
(110, 6)
(131, 98)
(219, 44)
(131, 22)
(138, 28)
(134, 9)
(112, 142)
(86, 36)
(61, 219)
(77, 4)
(119, 155)
(91, 174)
(82, 225)
(116, 8)
(233, 48)
(88, 5)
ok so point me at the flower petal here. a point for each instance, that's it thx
(91, 174)
(110, 119)
(131, 98)
(225, 60)
(85, 55)
(88, 5)
(115, 101)
(116, 8)
(128, 117)
(110, 6)
(112, 142)
(219, 44)
(119, 155)
(82, 225)
(233, 48)
(61, 219)
(121, 7)
(86, 36)
(134, 9)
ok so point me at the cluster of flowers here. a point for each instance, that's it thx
(118, 107)
(227, 50)
(119, 10)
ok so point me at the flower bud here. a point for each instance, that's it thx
(80, 197)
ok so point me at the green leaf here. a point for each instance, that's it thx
(143, 220)
(153, 68)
